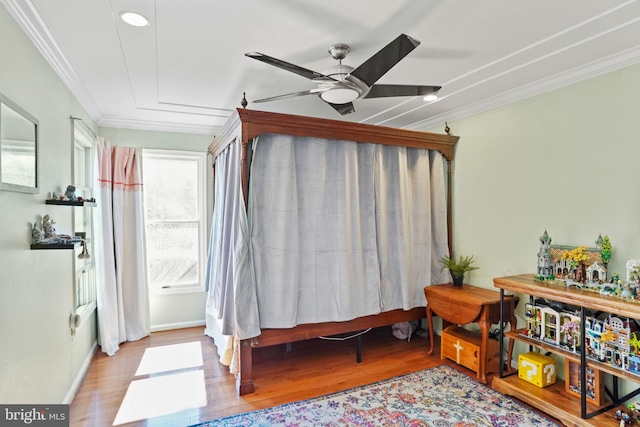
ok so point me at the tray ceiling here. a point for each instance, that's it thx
(186, 71)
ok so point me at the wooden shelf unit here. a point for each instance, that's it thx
(554, 400)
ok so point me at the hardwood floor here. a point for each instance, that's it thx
(206, 390)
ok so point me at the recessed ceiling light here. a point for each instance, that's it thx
(431, 97)
(134, 19)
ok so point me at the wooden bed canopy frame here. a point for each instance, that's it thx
(243, 126)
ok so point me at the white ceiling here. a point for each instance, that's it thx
(187, 71)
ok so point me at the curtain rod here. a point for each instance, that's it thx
(87, 128)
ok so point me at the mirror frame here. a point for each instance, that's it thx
(17, 187)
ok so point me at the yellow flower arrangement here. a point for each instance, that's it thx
(575, 256)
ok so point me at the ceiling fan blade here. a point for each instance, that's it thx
(376, 66)
(287, 95)
(309, 74)
(383, 91)
(343, 109)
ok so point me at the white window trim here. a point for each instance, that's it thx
(202, 223)
(83, 139)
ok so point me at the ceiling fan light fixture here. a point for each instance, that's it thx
(134, 19)
(340, 95)
(430, 98)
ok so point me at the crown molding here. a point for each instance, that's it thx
(26, 15)
(575, 75)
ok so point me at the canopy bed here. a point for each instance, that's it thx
(321, 227)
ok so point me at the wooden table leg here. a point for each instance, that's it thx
(482, 359)
(430, 326)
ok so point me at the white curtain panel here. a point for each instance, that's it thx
(231, 307)
(123, 298)
(439, 226)
(411, 223)
(341, 229)
(313, 239)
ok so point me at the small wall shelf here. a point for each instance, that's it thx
(71, 203)
(72, 245)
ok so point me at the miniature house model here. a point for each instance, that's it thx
(552, 265)
(611, 340)
(596, 272)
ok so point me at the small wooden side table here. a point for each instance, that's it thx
(470, 304)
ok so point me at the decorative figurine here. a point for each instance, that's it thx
(626, 418)
(47, 227)
(46, 233)
(71, 193)
(545, 267)
(36, 234)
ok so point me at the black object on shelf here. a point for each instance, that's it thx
(71, 203)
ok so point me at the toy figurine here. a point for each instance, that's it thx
(71, 193)
(36, 234)
(47, 227)
(47, 233)
(625, 418)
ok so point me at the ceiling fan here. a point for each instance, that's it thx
(341, 84)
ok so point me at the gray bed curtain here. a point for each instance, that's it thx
(335, 230)
(231, 308)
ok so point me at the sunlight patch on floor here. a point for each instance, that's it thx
(175, 383)
(170, 358)
(162, 395)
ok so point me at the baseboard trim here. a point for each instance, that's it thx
(180, 325)
(75, 386)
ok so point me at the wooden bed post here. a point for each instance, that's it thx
(449, 208)
(245, 166)
(244, 377)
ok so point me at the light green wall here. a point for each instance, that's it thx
(565, 161)
(176, 310)
(39, 358)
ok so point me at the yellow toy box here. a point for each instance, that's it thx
(537, 369)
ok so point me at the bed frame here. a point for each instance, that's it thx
(244, 125)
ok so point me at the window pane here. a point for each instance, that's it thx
(172, 254)
(170, 189)
(175, 211)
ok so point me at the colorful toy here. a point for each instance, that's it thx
(611, 340)
(537, 368)
(573, 264)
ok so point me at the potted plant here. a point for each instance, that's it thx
(458, 267)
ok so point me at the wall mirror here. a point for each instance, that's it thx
(18, 148)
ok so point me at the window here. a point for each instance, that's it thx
(83, 178)
(175, 214)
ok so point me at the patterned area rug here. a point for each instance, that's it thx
(439, 397)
